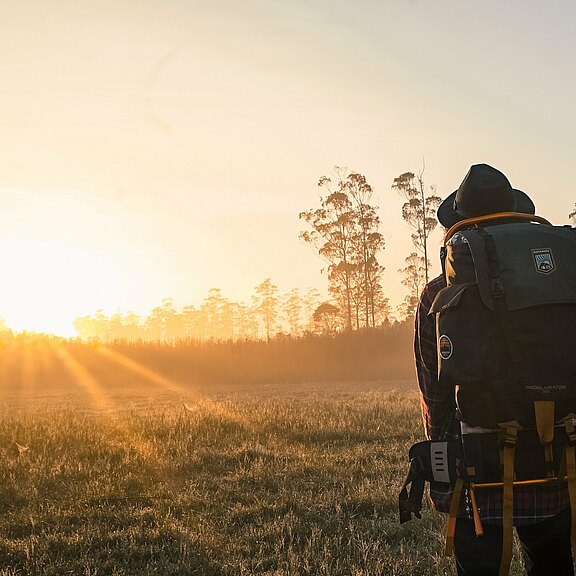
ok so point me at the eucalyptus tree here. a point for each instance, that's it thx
(369, 242)
(216, 309)
(164, 323)
(293, 311)
(333, 229)
(266, 305)
(413, 278)
(310, 301)
(345, 232)
(419, 211)
(194, 321)
(326, 319)
(245, 322)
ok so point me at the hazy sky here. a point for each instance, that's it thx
(158, 148)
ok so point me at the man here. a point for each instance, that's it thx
(541, 513)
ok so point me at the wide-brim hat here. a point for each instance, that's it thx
(484, 190)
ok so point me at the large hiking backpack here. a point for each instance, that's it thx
(506, 322)
(506, 338)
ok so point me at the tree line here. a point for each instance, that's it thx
(345, 231)
(268, 314)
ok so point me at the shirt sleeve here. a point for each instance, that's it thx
(437, 400)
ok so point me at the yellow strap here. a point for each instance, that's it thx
(451, 524)
(544, 412)
(475, 514)
(538, 481)
(508, 499)
(571, 477)
(490, 217)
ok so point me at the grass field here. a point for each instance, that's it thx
(228, 480)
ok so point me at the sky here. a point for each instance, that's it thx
(160, 148)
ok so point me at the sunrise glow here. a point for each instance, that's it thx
(164, 149)
(47, 284)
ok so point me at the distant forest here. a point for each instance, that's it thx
(382, 354)
(217, 318)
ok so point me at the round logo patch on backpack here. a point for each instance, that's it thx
(445, 347)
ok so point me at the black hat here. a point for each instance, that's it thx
(485, 190)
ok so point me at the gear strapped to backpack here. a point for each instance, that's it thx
(506, 339)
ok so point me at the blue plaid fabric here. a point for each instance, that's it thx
(532, 504)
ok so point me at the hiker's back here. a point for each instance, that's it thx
(503, 330)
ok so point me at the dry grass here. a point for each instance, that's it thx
(127, 472)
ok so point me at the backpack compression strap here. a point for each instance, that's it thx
(571, 476)
(484, 220)
(544, 414)
(451, 524)
(508, 498)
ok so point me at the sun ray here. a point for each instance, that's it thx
(47, 358)
(28, 369)
(83, 377)
(104, 402)
(193, 397)
(150, 375)
(9, 371)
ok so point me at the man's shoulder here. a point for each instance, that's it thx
(434, 286)
(429, 293)
(436, 283)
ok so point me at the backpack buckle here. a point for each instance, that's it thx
(510, 436)
(570, 432)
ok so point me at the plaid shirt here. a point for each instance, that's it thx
(532, 504)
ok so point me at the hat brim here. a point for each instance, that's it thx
(447, 216)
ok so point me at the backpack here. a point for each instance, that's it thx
(506, 341)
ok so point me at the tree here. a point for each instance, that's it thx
(326, 318)
(369, 243)
(332, 230)
(414, 278)
(194, 322)
(266, 305)
(164, 323)
(216, 310)
(86, 327)
(292, 307)
(246, 323)
(132, 326)
(572, 215)
(310, 302)
(345, 232)
(419, 211)
(124, 326)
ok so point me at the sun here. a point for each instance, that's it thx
(47, 284)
